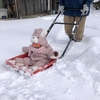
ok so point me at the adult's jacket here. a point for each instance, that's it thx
(75, 4)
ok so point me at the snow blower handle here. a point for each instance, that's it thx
(53, 23)
(76, 9)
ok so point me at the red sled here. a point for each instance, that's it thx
(26, 55)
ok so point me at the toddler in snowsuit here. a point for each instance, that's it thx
(39, 52)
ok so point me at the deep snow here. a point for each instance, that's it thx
(74, 77)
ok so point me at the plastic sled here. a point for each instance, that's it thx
(34, 72)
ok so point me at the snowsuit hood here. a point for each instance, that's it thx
(40, 36)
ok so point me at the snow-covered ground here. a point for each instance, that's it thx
(74, 77)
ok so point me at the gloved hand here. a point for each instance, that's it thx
(61, 9)
(85, 9)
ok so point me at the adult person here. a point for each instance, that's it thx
(71, 16)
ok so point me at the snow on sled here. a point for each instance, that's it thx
(16, 68)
